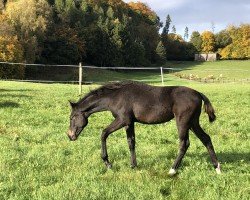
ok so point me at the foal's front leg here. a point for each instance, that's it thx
(130, 130)
(115, 125)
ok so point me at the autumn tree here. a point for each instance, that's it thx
(10, 50)
(30, 19)
(1, 5)
(208, 42)
(145, 11)
(6, 29)
(240, 46)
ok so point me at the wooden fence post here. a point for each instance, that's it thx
(162, 79)
(80, 78)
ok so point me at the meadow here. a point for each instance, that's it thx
(228, 69)
(225, 71)
(37, 161)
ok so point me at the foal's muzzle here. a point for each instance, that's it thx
(72, 136)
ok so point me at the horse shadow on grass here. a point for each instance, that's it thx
(228, 157)
(7, 97)
(234, 157)
(15, 90)
(8, 93)
(9, 104)
(14, 95)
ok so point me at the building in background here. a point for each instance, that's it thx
(206, 57)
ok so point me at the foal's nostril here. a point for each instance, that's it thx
(72, 137)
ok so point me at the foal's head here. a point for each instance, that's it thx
(77, 122)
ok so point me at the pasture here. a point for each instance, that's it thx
(37, 161)
(225, 71)
(229, 70)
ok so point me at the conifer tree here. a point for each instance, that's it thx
(165, 30)
(186, 34)
(161, 52)
(173, 29)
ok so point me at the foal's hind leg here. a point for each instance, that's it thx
(183, 129)
(115, 125)
(206, 140)
(130, 130)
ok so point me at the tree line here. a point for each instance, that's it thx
(230, 43)
(104, 33)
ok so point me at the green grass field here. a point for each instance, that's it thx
(228, 70)
(37, 161)
(225, 71)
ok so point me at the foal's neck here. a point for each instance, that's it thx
(92, 104)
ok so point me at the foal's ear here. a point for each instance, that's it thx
(72, 104)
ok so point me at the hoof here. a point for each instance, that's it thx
(218, 171)
(172, 172)
(133, 166)
(109, 166)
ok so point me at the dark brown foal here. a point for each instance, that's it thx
(131, 102)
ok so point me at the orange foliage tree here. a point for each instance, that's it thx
(10, 51)
(208, 42)
(143, 9)
(240, 46)
(30, 19)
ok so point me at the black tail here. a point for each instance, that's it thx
(208, 108)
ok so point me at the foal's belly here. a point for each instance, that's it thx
(152, 114)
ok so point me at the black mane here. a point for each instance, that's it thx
(107, 88)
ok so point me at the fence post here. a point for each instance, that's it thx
(162, 80)
(80, 78)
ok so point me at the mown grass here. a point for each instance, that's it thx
(37, 161)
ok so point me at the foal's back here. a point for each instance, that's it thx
(144, 103)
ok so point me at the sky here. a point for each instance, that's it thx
(201, 15)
